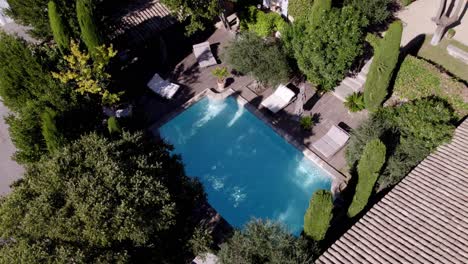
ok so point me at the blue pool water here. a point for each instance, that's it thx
(246, 168)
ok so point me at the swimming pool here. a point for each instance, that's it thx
(246, 168)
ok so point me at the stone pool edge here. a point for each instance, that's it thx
(338, 179)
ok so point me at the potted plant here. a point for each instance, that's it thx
(221, 73)
(307, 122)
(355, 102)
(450, 33)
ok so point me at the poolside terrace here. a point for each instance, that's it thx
(327, 109)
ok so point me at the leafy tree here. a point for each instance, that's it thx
(96, 201)
(86, 19)
(325, 51)
(33, 13)
(319, 214)
(300, 9)
(264, 242)
(265, 61)
(52, 136)
(370, 164)
(376, 11)
(382, 67)
(57, 25)
(319, 8)
(87, 75)
(197, 12)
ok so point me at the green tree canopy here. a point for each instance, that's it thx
(319, 8)
(85, 12)
(382, 67)
(197, 13)
(97, 201)
(376, 11)
(52, 136)
(326, 51)
(370, 164)
(319, 214)
(264, 242)
(265, 61)
(59, 30)
(299, 9)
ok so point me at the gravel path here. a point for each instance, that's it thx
(10, 171)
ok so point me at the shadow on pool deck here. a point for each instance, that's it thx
(194, 80)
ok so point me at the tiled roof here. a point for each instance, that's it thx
(424, 219)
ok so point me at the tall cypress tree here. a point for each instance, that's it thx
(89, 32)
(52, 136)
(57, 25)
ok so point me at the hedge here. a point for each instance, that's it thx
(370, 164)
(382, 67)
(61, 36)
(319, 214)
(299, 9)
(52, 136)
(89, 31)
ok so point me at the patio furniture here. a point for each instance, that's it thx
(163, 87)
(279, 99)
(332, 142)
(204, 55)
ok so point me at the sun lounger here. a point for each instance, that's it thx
(204, 55)
(163, 87)
(331, 142)
(279, 99)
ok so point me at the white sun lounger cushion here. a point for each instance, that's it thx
(331, 142)
(204, 55)
(163, 87)
(279, 99)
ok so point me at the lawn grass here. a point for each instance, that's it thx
(439, 55)
(417, 78)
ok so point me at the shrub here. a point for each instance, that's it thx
(355, 102)
(264, 24)
(319, 8)
(382, 67)
(221, 73)
(250, 54)
(307, 122)
(113, 125)
(57, 25)
(299, 9)
(264, 242)
(451, 33)
(406, 2)
(319, 214)
(86, 20)
(370, 164)
(52, 136)
(376, 11)
(325, 53)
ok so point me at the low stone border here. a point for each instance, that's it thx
(338, 179)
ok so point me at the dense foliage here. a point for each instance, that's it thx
(382, 67)
(319, 214)
(264, 242)
(410, 132)
(325, 52)
(89, 75)
(264, 24)
(417, 78)
(50, 133)
(299, 9)
(97, 201)
(318, 10)
(85, 12)
(264, 60)
(370, 164)
(59, 31)
(376, 11)
(197, 13)
(34, 13)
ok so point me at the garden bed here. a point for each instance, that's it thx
(417, 78)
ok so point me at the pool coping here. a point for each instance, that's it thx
(338, 179)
